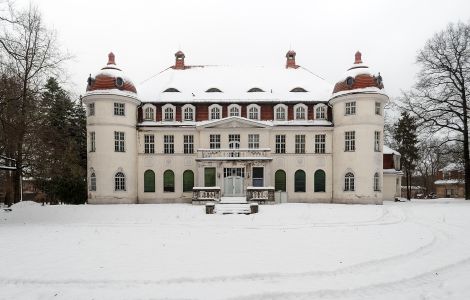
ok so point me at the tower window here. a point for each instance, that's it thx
(91, 109)
(119, 82)
(119, 109)
(350, 108)
(350, 141)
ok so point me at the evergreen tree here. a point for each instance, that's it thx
(407, 140)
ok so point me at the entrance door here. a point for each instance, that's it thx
(233, 181)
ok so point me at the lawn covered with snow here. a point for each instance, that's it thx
(411, 250)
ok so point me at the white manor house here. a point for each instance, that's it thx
(195, 133)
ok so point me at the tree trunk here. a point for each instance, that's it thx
(466, 154)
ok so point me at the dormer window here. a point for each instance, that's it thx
(213, 90)
(298, 90)
(320, 112)
(349, 81)
(171, 90)
(234, 110)
(280, 112)
(253, 112)
(215, 112)
(255, 90)
(188, 112)
(168, 112)
(119, 82)
(149, 114)
(300, 111)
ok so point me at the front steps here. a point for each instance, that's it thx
(232, 205)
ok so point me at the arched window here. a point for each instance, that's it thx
(300, 112)
(255, 89)
(320, 112)
(298, 90)
(280, 180)
(376, 182)
(188, 181)
(319, 178)
(119, 182)
(215, 112)
(92, 181)
(234, 110)
(349, 182)
(149, 114)
(299, 182)
(253, 112)
(213, 90)
(168, 181)
(280, 112)
(168, 112)
(171, 90)
(188, 112)
(149, 181)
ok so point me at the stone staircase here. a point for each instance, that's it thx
(232, 205)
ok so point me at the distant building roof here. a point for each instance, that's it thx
(452, 167)
(388, 150)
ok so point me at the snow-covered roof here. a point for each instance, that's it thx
(448, 181)
(452, 167)
(388, 150)
(234, 82)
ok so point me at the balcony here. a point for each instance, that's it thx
(240, 154)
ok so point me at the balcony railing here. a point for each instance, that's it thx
(261, 195)
(202, 195)
(233, 154)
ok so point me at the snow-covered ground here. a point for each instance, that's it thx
(411, 250)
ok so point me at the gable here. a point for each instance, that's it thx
(233, 122)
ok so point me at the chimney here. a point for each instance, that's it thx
(290, 62)
(111, 59)
(358, 58)
(179, 63)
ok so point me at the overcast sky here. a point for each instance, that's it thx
(144, 35)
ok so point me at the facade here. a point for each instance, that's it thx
(450, 182)
(237, 129)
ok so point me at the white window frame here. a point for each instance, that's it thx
(377, 182)
(350, 141)
(214, 141)
(188, 144)
(378, 108)
(377, 141)
(236, 106)
(119, 186)
(305, 107)
(321, 112)
(349, 182)
(91, 109)
(193, 113)
(119, 109)
(168, 144)
(280, 143)
(218, 107)
(350, 108)
(92, 187)
(92, 141)
(119, 141)
(164, 113)
(149, 143)
(300, 144)
(249, 112)
(284, 108)
(253, 141)
(320, 143)
(148, 109)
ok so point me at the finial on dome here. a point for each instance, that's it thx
(111, 59)
(358, 58)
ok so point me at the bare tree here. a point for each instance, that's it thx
(440, 98)
(29, 52)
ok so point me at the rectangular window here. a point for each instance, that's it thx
(378, 108)
(299, 143)
(253, 141)
(350, 141)
(214, 141)
(258, 176)
(168, 144)
(119, 141)
(91, 109)
(188, 144)
(350, 108)
(280, 143)
(92, 141)
(377, 141)
(320, 141)
(149, 143)
(209, 177)
(119, 109)
(376, 183)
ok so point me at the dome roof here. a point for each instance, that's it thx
(359, 76)
(110, 77)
